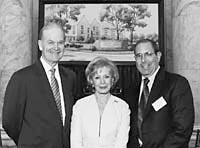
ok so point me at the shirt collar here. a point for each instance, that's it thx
(46, 66)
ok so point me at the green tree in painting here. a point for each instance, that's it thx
(63, 13)
(125, 17)
(133, 16)
(112, 14)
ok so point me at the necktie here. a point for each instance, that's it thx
(55, 90)
(142, 104)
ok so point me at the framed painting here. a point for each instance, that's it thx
(105, 27)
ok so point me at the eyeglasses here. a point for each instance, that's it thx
(139, 56)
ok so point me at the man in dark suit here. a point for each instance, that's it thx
(165, 103)
(39, 98)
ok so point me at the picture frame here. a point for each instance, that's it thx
(105, 27)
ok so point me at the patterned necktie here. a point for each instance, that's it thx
(142, 104)
(55, 90)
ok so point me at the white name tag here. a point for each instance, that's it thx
(158, 104)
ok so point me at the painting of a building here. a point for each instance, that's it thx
(107, 31)
(83, 30)
(80, 30)
(95, 29)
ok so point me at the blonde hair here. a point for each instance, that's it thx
(100, 62)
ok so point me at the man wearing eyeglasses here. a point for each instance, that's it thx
(165, 102)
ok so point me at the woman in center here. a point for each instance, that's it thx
(100, 120)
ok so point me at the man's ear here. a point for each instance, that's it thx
(40, 44)
(159, 54)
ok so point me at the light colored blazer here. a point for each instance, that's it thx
(88, 130)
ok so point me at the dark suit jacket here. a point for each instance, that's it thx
(172, 125)
(0, 140)
(30, 115)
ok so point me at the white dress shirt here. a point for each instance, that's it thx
(47, 69)
(150, 84)
(88, 130)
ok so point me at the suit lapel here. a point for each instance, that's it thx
(156, 91)
(66, 83)
(46, 88)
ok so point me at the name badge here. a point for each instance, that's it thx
(159, 103)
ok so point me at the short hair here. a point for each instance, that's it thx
(100, 62)
(153, 43)
(47, 26)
